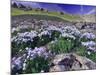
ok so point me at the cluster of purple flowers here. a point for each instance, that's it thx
(67, 31)
(68, 35)
(45, 32)
(41, 51)
(90, 45)
(72, 30)
(20, 62)
(88, 35)
(24, 37)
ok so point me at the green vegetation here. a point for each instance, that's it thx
(21, 31)
(85, 39)
(43, 40)
(53, 41)
(17, 47)
(82, 51)
(55, 34)
(14, 33)
(92, 56)
(67, 45)
(62, 46)
(65, 17)
(37, 65)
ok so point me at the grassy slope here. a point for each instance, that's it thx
(66, 17)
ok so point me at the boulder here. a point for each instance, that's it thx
(71, 62)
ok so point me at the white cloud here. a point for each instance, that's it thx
(91, 11)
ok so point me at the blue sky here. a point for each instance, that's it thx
(66, 8)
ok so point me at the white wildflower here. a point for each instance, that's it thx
(88, 52)
(68, 35)
(12, 66)
(42, 71)
(24, 66)
(44, 33)
(13, 30)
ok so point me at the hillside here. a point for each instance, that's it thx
(45, 41)
(89, 18)
(66, 17)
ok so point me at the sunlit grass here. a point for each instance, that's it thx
(62, 46)
(66, 17)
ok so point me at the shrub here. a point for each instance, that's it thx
(43, 40)
(15, 47)
(42, 9)
(61, 13)
(55, 34)
(85, 40)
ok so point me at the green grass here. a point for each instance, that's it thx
(62, 46)
(92, 56)
(82, 51)
(66, 17)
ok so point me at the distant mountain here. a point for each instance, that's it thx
(21, 6)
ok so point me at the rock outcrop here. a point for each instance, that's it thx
(71, 62)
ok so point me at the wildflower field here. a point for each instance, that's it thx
(43, 41)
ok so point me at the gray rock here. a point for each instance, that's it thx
(57, 68)
(70, 62)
